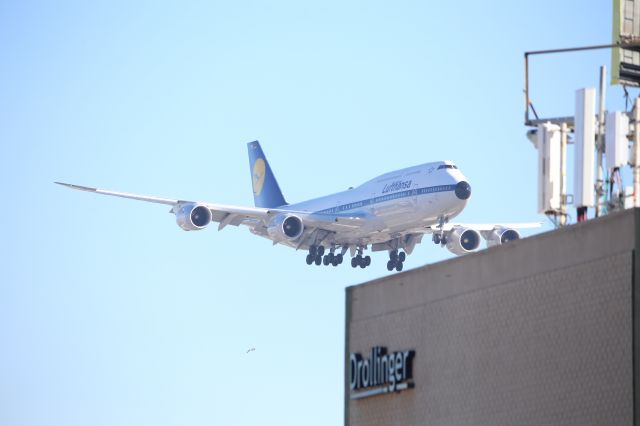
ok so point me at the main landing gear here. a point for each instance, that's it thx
(396, 260)
(359, 260)
(316, 256)
(332, 259)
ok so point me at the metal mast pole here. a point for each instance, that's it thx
(600, 145)
(636, 154)
(564, 132)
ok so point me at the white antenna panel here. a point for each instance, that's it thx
(585, 125)
(549, 176)
(616, 143)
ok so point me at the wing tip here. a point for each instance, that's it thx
(78, 187)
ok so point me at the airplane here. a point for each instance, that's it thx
(391, 212)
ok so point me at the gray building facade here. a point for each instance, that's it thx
(541, 331)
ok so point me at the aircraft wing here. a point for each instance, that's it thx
(233, 215)
(333, 221)
(487, 226)
(240, 215)
(219, 211)
(485, 229)
(147, 198)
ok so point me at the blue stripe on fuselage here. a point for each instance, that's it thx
(387, 197)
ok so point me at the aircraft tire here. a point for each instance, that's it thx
(399, 266)
(326, 260)
(339, 259)
(391, 265)
(310, 259)
(354, 262)
(436, 238)
(320, 250)
(393, 255)
(318, 260)
(402, 256)
(367, 260)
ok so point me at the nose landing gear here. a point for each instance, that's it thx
(439, 237)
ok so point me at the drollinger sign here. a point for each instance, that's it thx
(382, 373)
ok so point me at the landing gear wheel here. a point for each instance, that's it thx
(399, 266)
(326, 260)
(339, 259)
(318, 260)
(320, 250)
(354, 262)
(313, 251)
(402, 256)
(391, 265)
(367, 260)
(436, 238)
(443, 241)
(393, 255)
(310, 259)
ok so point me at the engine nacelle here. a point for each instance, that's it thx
(286, 227)
(193, 217)
(501, 235)
(463, 240)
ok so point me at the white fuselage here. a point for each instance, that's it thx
(394, 203)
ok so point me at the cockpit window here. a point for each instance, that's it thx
(447, 166)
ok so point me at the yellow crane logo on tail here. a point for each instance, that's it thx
(258, 176)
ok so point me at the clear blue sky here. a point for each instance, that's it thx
(109, 313)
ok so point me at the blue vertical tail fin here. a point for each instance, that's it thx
(266, 192)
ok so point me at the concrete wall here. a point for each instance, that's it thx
(536, 332)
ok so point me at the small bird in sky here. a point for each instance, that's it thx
(251, 350)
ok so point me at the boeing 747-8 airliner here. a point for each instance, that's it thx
(391, 212)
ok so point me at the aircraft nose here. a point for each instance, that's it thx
(463, 190)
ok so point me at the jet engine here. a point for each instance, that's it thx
(285, 227)
(193, 217)
(463, 240)
(501, 235)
